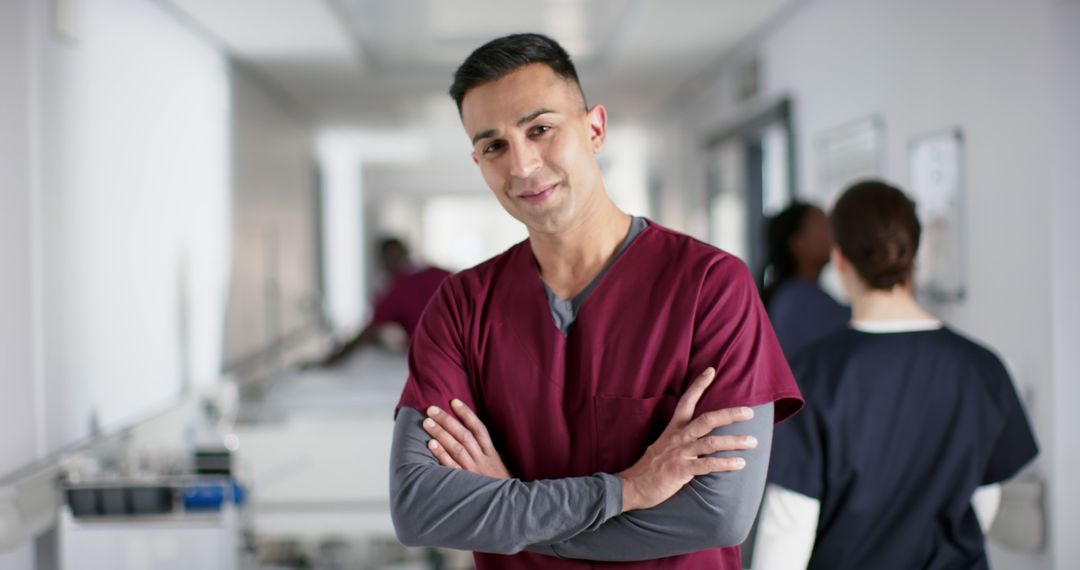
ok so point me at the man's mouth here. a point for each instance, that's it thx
(538, 195)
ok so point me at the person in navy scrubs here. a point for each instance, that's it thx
(602, 392)
(799, 242)
(906, 420)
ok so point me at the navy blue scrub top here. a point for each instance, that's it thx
(898, 431)
(802, 313)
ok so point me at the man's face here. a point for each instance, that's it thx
(536, 146)
(395, 259)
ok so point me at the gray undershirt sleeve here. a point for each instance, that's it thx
(712, 511)
(432, 505)
(571, 517)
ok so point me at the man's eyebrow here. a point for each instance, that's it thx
(532, 116)
(488, 133)
(483, 135)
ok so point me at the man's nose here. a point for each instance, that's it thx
(524, 160)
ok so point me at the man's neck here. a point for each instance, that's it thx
(570, 259)
(404, 269)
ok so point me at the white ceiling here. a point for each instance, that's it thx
(389, 62)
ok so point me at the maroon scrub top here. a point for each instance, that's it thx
(405, 298)
(591, 401)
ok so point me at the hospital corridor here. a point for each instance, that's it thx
(509, 284)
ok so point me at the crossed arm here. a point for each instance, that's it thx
(687, 492)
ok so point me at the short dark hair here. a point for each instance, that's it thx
(501, 56)
(876, 228)
(781, 263)
(392, 242)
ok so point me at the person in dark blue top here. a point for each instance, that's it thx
(799, 242)
(906, 421)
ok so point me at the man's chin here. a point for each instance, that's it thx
(553, 221)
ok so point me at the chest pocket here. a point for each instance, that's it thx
(625, 427)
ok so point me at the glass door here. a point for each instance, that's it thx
(750, 177)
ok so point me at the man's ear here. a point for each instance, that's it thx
(597, 123)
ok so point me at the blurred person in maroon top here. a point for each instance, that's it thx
(401, 301)
(601, 393)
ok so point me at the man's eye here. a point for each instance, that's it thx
(493, 147)
(540, 129)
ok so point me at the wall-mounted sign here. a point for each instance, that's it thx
(937, 186)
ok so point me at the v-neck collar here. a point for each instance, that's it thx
(568, 309)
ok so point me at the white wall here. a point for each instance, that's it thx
(113, 221)
(16, 324)
(274, 279)
(117, 173)
(989, 68)
(17, 438)
(1065, 207)
(134, 228)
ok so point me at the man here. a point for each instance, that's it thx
(401, 302)
(547, 371)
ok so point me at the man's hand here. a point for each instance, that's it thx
(682, 450)
(463, 445)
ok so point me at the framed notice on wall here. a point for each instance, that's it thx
(848, 153)
(937, 186)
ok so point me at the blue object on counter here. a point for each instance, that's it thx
(210, 495)
(204, 496)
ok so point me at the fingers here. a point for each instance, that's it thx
(441, 454)
(705, 423)
(689, 400)
(461, 442)
(440, 426)
(477, 427)
(716, 443)
(707, 465)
